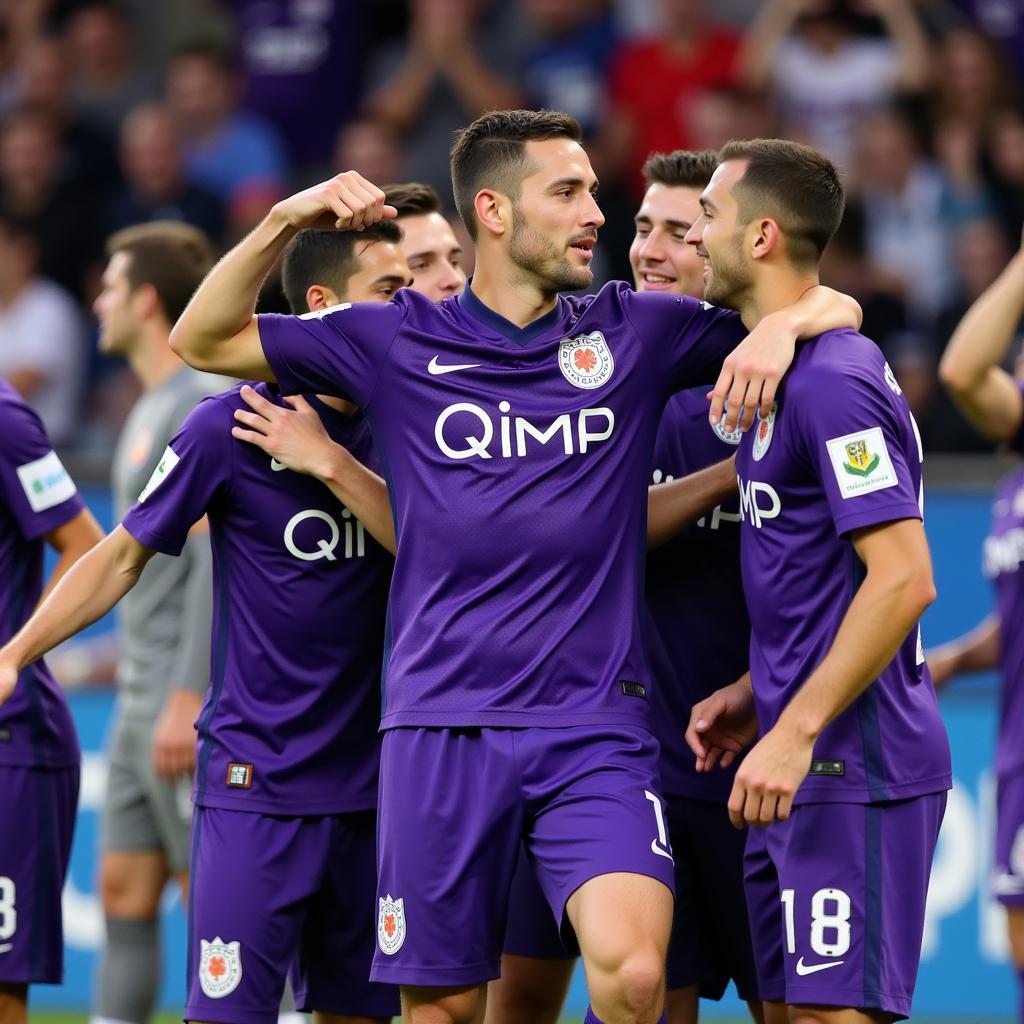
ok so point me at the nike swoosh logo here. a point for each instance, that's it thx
(435, 369)
(803, 969)
(6, 947)
(277, 466)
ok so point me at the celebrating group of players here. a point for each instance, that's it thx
(566, 729)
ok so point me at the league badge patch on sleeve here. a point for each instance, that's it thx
(586, 360)
(46, 482)
(391, 925)
(220, 967)
(163, 468)
(861, 462)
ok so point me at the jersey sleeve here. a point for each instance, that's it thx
(195, 465)
(337, 351)
(687, 339)
(865, 454)
(36, 487)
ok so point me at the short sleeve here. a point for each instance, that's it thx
(688, 339)
(863, 449)
(195, 465)
(36, 487)
(337, 351)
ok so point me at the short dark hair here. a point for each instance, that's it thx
(491, 153)
(796, 186)
(328, 258)
(171, 257)
(682, 168)
(412, 198)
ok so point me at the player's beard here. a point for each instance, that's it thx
(731, 277)
(542, 260)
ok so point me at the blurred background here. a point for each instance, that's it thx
(114, 112)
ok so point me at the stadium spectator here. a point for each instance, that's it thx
(156, 187)
(655, 81)
(1002, 21)
(41, 338)
(292, 56)
(566, 62)
(232, 153)
(108, 78)
(823, 76)
(981, 251)
(903, 194)
(453, 65)
(373, 149)
(1006, 142)
(62, 216)
(971, 79)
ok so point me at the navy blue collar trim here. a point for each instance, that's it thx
(520, 335)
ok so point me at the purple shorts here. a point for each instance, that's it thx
(269, 891)
(457, 804)
(532, 929)
(1008, 878)
(38, 805)
(711, 929)
(837, 896)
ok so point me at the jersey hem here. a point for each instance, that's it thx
(876, 517)
(284, 808)
(151, 539)
(42, 763)
(510, 719)
(875, 795)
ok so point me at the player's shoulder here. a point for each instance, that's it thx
(838, 358)
(17, 417)
(619, 299)
(217, 411)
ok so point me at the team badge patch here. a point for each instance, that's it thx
(391, 925)
(728, 436)
(861, 462)
(586, 360)
(220, 967)
(240, 775)
(763, 430)
(45, 482)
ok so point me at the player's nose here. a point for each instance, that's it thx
(453, 279)
(651, 249)
(695, 234)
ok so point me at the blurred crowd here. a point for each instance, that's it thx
(114, 112)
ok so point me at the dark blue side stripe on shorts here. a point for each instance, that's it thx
(872, 905)
(42, 879)
(197, 820)
(220, 655)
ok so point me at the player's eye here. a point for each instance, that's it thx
(417, 265)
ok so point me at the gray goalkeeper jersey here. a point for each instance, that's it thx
(165, 619)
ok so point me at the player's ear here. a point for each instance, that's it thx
(493, 212)
(766, 238)
(147, 302)
(320, 296)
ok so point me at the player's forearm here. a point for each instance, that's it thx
(976, 651)
(906, 31)
(677, 504)
(757, 54)
(88, 590)
(886, 607)
(225, 303)
(363, 493)
(822, 309)
(970, 367)
(478, 90)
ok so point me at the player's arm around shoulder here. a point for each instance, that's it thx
(86, 592)
(970, 367)
(218, 331)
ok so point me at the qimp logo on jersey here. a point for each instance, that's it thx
(586, 360)
(391, 925)
(220, 967)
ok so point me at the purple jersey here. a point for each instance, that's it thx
(300, 589)
(1003, 557)
(839, 454)
(36, 497)
(695, 597)
(517, 461)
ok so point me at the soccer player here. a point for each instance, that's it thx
(429, 244)
(164, 623)
(39, 755)
(515, 429)
(991, 399)
(285, 788)
(850, 773)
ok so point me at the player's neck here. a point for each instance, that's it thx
(506, 293)
(774, 289)
(152, 359)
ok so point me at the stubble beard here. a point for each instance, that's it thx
(540, 259)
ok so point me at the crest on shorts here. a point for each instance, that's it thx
(586, 360)
(391, 925)
(763, 430)
(220, 967)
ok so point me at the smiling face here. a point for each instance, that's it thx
(661, 259)
(556, 218)
(382, 271)
(433, 254)
(719, 238)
